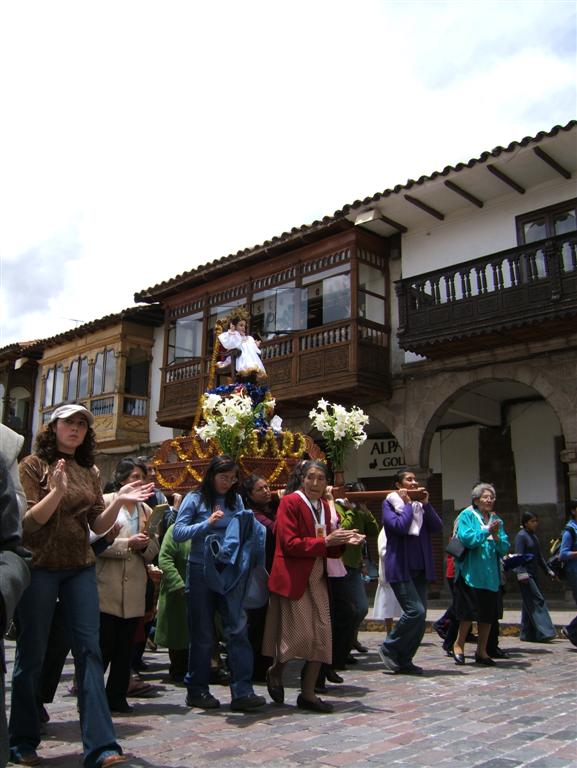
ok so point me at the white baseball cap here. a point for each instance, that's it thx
(69, 409)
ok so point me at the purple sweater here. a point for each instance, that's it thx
(409, 553)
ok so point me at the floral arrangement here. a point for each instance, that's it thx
(340, 428)
(230, 420)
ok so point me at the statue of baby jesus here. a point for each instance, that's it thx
(248, 363)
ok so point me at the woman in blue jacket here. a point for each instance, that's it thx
(206, 511)
(568, 554)
(478, 574)
(536, 623)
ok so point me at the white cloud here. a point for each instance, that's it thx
(167, 134)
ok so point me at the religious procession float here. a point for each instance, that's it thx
(238, 419)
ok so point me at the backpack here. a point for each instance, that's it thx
(554, 563)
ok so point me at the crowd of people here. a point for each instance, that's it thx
(269, 578)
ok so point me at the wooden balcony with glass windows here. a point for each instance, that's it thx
(522, 294)
(321, 315)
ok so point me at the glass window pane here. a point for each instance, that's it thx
(371, 279)
(565, 222)
(328, 300)
(535, 230)
(49, 387)
(83, 378)
(72, 381)
(371, 308)
(336, 298)
(185, 338)
(59, 385)
(98, 375)
(109, 371)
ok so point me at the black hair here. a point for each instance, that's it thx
(248, 484)
(400, 476)
(218, 465)
(526, 517)
(124, 469)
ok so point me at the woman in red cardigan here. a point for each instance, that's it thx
(298, 621)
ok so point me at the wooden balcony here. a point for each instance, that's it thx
(120, 419)
(346, 361)
(525, 293)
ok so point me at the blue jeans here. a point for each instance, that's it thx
(202, 603)
(77, 592)
(572, 584)
(404, 640)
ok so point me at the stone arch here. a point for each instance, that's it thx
(427, 398)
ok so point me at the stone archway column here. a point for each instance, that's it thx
(569, 457)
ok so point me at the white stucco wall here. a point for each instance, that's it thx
(157, 433)
(472, 232)
(533, 429)
(459, 449)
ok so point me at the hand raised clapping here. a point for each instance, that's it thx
(340, 536)
(59, 479)
(137, 491)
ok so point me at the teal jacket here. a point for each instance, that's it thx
(480, 567)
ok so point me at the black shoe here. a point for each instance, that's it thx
(276, 692)
(440, 630)
(459, 657)
(120, 708)
(314, 706)
(485, 661)
(411, 669)
(332, 676)
(359, 647)
(499, 653)
(351, 660)
(247, 703)
(203, 701)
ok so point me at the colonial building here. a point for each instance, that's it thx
(446, 307)
(107, 366)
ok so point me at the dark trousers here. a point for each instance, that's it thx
(116, 637)
(256, 620)
(405, 637)
(57, 650)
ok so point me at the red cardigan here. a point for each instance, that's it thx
(297, 547)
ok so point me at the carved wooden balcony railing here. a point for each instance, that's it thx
(507, 297)
(349, 357)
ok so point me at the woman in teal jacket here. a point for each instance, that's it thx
(478, 574)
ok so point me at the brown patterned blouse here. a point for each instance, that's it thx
(62, 542)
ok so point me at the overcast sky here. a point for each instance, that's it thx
(140, 139)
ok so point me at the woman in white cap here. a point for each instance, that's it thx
(64, 498)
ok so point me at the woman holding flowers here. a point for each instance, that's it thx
(298, 622)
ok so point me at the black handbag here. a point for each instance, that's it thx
(456, 548)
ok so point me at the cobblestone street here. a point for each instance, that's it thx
(520, 713)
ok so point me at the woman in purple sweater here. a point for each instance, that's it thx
(409, 566)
